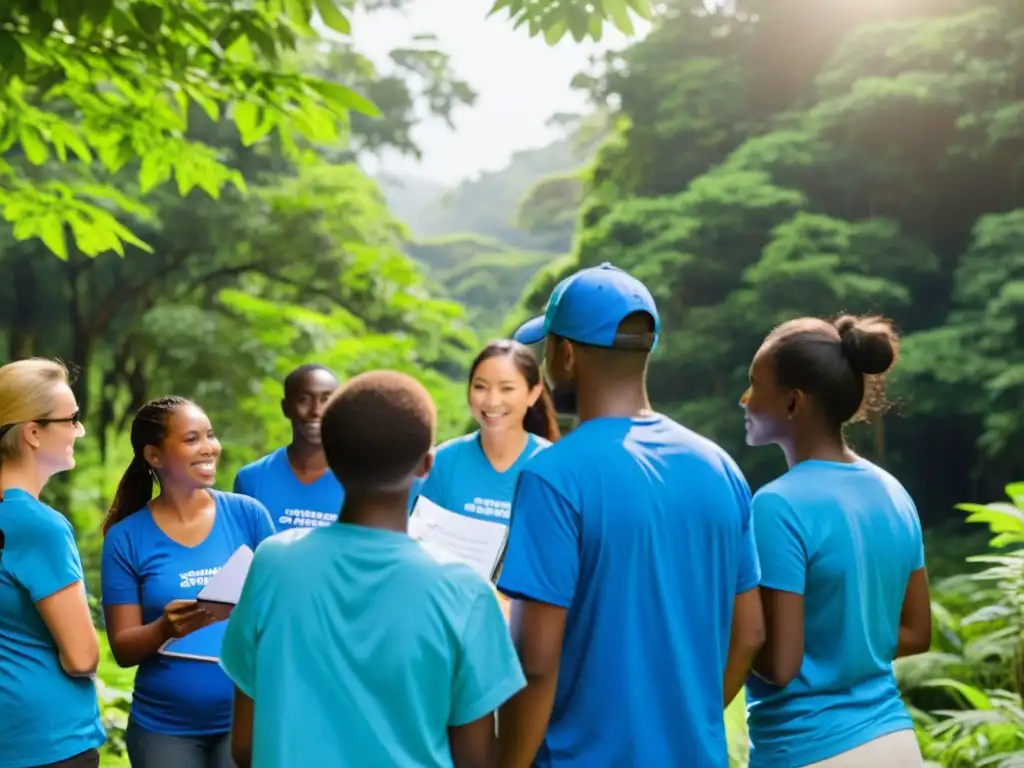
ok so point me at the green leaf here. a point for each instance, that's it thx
(247, 117)
(51, 232)
(299, 12)
(33, 145)
(12, 57)
(332, 17)
(345, 98)
(149, 17)
(97, 11)
(619, 13)
(974, 696)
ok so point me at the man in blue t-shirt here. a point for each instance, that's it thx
(294, 483)
(631, 564)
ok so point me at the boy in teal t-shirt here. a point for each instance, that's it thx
(352, 644)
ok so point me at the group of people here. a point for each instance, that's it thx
(645, 585)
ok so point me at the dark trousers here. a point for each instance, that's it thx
(88, 759)
(147, 749)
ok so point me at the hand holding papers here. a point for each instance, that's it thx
(216, 599)
(478, 543)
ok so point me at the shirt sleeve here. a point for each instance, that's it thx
(263, 525)
(487, 671)
(781, 540)
(119, 579)
(542, 559)
(47, 561)
(238, 649)
(749, 574)
(239, 485)
(915, 521)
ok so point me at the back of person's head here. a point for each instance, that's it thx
(149, 427)
(839, 365)
(377, 430)
(29, 391)
(539, 417)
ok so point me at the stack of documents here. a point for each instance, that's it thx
(480, 544)
(220, 595)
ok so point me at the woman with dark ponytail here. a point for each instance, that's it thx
(475, 475)
(158, 553)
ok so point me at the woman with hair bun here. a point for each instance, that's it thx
(49, 714)
(844, 584)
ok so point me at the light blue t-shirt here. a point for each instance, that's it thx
(640, 528)
(846, 537)
(291, 503)
(360, 648)
(463, 480)
(47, 716)
(142, 565)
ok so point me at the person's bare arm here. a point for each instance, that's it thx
(473, 744)
(241, 730)
(66, 615)
(131, 641)
(538, 630)
(780, 657)
(915, 635)
(745, 640)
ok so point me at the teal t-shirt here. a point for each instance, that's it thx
(846, 537)
(463, 480)
(45, 715)
(361, 647)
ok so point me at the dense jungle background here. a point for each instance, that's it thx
(188, 210)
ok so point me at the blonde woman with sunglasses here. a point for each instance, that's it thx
(48, 698)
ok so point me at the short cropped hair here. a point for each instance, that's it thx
(294, 379)
(376, 429)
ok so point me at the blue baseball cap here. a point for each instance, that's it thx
(588, 306)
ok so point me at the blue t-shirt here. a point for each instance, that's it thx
(291, 503)
(846, 537)
(463, 480)
(47, 715)
(361, 647)
(640, 528)
(142, 565)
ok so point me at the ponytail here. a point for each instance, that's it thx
(133, 492)
(136, 487)
(540, 418)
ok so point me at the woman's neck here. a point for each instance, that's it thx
(505, 448)
(22, 478)
(818, 447)
(185, 504)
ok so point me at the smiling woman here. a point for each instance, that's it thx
(157, 556)
(475, 475)
(49, 651)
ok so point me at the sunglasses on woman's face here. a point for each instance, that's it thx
(72, 419)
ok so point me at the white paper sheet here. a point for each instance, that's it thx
(477, 543)
(226, 585)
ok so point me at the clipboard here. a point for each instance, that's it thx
(202, 645)
(480, 544)
(220, 595)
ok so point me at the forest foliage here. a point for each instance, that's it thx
(186, 212)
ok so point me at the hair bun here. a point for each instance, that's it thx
(868, 344)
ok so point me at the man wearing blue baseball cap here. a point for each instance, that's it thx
(630, 563)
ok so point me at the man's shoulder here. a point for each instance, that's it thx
(261, 464)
